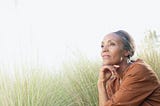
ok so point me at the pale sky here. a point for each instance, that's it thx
(48, 30)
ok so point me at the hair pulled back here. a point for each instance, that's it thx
(127, 41)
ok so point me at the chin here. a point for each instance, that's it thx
(107, 63)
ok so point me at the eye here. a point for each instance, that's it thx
(112, 44)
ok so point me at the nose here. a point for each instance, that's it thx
(105, 48)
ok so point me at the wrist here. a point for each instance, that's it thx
(101, 83)
(101, 86)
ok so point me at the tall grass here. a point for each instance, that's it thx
(31, 87)
(81, 81)
(150, 50)
(75, 85)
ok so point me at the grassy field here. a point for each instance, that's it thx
(75, 85)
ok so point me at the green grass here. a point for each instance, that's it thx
(31, 87)
(81, 81)
(75, 85)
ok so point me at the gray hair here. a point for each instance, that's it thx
(128, 41)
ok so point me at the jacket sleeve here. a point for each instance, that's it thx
(138, 83)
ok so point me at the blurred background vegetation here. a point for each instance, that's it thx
(149, 50)
(75, 85)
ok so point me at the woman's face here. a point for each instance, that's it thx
(112, 50)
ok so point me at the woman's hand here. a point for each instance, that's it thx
(106, 72)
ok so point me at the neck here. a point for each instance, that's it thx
(123, 66)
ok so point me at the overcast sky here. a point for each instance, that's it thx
(47, 30)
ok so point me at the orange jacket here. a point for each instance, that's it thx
(139, 87)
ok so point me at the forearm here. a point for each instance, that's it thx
(102, 93)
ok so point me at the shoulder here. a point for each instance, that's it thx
(141, 70)
(139, 67)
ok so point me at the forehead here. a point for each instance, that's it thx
(112, 37)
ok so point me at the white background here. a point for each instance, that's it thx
(47, 31)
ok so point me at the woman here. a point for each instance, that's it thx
(123, 82)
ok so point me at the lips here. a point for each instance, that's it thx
(105, 56)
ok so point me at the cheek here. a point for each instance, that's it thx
(118, 54)
(117, 59)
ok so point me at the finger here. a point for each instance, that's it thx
(106, 68)
(116, 66)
